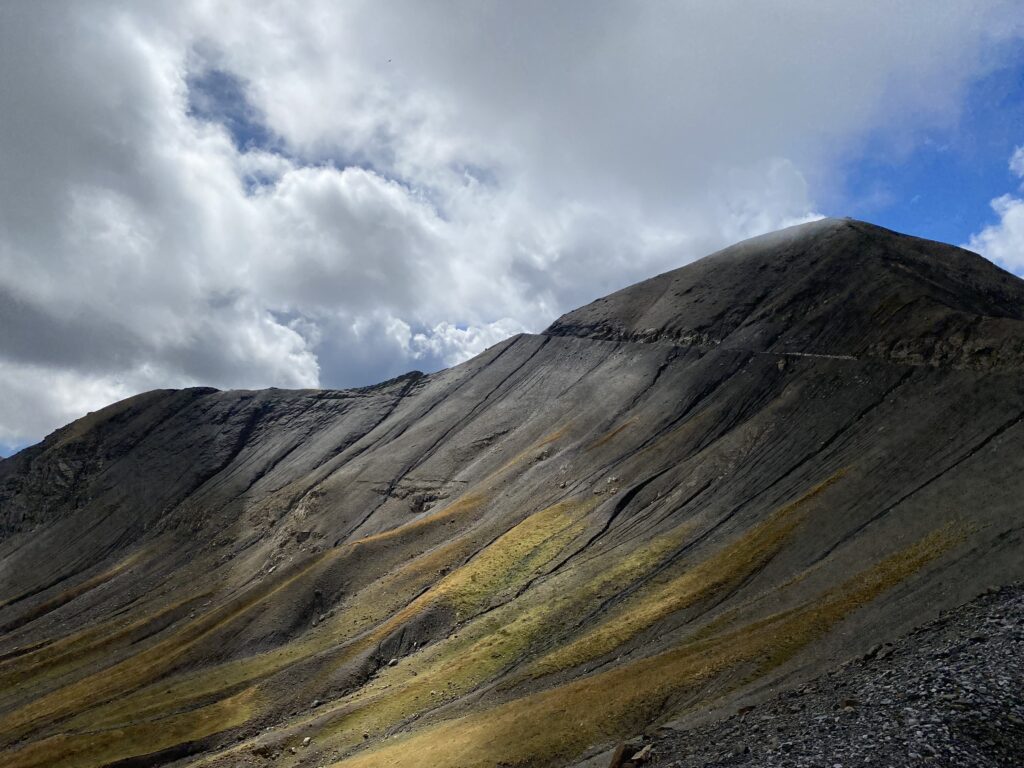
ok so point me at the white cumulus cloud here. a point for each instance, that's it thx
(244, 195)
(1003, 242)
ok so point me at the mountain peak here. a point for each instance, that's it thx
(835, 287)
(608, 534)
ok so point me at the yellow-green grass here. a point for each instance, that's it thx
(467, 506)
(481, 649)
(515, 557)
(373, 608)
(557, 724)
(502, 567)
(723, 571)
(455, 668)
(383, 607)
(147, 665)
(133, 689)
(484, 647)
(88, 649)
(135, 672)
(463, 662)
(103, 746)
(367, 612)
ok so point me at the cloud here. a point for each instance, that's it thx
(70, 394)
(1017, 162)
(1003, 242)
(243, 196)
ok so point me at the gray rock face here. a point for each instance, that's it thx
(948, 694)
(726, 478)
(834, 287)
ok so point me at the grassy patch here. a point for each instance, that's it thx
(515, 557)
(377, 609)
(459, 511)
(119, 700)
(723, 571)
(134, 673)
(484, 648)
(146, 666)
(555, 725)
(86, 648)
(100, 747)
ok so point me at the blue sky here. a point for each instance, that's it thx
(218, 96)
(942, 187)
(262, 194)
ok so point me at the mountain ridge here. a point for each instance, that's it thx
(554, 545)
(708, 302)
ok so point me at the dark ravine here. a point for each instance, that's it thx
(723, 481)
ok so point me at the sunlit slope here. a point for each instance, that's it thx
(566, 540)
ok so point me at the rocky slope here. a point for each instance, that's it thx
(728, 478)
(949, 694)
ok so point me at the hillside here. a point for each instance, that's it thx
(714, 484)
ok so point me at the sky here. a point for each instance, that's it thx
(328, 194)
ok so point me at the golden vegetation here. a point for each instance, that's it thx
(84, 649)
(480, 649)
(512, 609)
(145, 666)
(557, 724)
(723, 571)
(515, 557)
(486, 647)
(133, 674)
(103, 746)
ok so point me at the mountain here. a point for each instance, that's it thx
(701, 490)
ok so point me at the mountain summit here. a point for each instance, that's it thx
(830, 287)
(715, 484)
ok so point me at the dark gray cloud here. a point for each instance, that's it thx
(255, 194)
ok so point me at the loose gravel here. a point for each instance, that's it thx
(949, 694)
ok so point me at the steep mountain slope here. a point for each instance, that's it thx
(947, 694)
(717, 482)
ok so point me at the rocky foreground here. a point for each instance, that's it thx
(949, 694)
